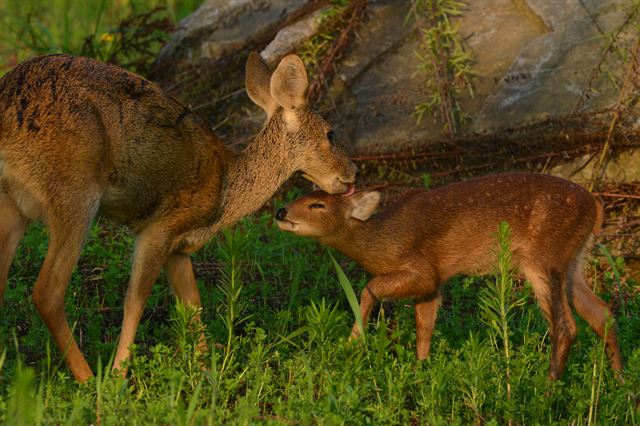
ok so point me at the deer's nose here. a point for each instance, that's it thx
(281, 213)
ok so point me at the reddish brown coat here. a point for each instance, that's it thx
(428, 236)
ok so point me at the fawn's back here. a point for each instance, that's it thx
(455, 227)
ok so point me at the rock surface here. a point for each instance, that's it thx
(221, 27)
(624, 167)
(291, 37)
(534, 60)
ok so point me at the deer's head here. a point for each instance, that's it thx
(321, 215)
(305, 137)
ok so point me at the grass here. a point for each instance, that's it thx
(36, 27)
(283, 359)
(277, 321)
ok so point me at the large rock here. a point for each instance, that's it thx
(624, 167)
(386, 88)
(552, 72)
(221, 27)
(292, 36)
(533, 60)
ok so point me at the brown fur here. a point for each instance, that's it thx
(79, 137)
(427, 237)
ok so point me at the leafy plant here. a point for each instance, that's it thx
(133, 43)
(444, 61)
(289, 362)
(498, 304)
(232, 304)
(127, 32)
(312, 50)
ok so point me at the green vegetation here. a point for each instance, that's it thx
(98, 28)
(275, 316)
(445, 63)
(277, 323)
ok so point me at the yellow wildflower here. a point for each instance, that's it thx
(106, 38)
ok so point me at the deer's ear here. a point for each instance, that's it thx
(364, 204)
(289, 83)
(257, 80)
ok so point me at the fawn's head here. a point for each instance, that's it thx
(303, 134)
(320, 214)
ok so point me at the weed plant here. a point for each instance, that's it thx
(276, 322)
(444, 63)
(119, 31)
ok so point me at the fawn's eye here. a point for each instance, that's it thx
(331, 136)
(316, 206)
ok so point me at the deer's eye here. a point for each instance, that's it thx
(316, 206)
(331, 136)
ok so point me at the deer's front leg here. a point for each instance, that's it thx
(180, 275)
(398, 285)
(151, 251)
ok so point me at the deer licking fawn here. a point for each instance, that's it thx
(428, 236)
(80, 138)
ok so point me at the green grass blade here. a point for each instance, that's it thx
(616, 274)
(351, 295)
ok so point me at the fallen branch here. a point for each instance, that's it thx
(355, 12)
(607, 194)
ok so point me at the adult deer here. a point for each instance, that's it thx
(80, 138)
(427, 237)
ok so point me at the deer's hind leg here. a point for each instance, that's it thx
(596, 312)
(12, 227)
(549, 287)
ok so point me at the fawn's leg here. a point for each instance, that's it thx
(549, 289)
(12, 227)
(426, 311)
(150, 253)
(65, 244)
(596, 312)
(180, 275)
(398, 285)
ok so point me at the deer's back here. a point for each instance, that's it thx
(456, 225)
(65, 116)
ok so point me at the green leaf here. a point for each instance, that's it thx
(351, 295)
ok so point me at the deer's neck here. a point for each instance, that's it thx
(254, 175)
(367, 243)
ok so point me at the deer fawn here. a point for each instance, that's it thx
(427, 237)
(80, 138)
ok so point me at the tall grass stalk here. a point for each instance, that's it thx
(230, 285)
(25, 404)
(596, 377)
(444, 61)
(497, 303)
(351, 295)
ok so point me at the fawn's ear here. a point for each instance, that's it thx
(364, 204)
(257, 80)
(289, 83)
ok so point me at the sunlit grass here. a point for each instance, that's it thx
(33, 27)
(279, 359)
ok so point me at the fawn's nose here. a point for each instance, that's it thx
(281, 213)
